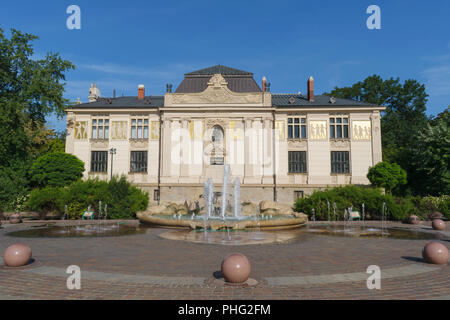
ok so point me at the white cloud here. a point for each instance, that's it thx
(438, 79)
(161, 72)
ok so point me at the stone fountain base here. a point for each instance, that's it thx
(281, 217)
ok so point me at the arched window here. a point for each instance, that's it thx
(217, 138)
(217, 134)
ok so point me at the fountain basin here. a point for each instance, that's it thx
(274, 223)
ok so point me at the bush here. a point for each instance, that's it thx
(46, 200)
(354, 196)
(123, 199)
(13, 184)
(386, 175)
(56, 169)
(426, 205)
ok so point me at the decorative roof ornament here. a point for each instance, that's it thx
(217, 81)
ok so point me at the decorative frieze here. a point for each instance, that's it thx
(297, 144)
(154, 130)
(318, 130)
(119, 130)
(81, 130)
(280, 128)
(340, 144)
(361, 130)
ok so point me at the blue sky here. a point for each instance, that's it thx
(125, 43)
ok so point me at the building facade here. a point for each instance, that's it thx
(280, 146)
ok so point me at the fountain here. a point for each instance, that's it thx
(229, 216)
(384, 219)
(226, 172)
(328, 211)
(363, 216)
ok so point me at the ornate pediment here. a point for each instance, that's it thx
(217, 92)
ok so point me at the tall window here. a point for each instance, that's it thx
(139, 128)
(138, 161)
(296, 128)
(100, 129)
(297, 161)
(298, 194)
(340, 162)
(99, 161)
(217, 146)
(339, 128)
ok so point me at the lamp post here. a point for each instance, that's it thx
(112, 152)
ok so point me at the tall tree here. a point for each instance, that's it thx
(431, 157)
(29, 91)
(403, 118)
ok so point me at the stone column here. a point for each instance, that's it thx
(185, 148)
(249, 155)
(166, 148)
(267, 160)
(175, 150)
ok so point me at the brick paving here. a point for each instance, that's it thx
(146, 266)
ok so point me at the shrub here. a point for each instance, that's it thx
(354, 196)
(386, 175)
(126, 199)
(46, 200)
(56, 169)
(123, 199)
(426, 205)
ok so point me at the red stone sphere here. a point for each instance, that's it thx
(435, 253)
(438, 224)
(414, 219)
(17, 255)
(236, 268)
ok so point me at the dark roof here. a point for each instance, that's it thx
(298, 100)
(120, 102)
(238, 80)
(223, 70)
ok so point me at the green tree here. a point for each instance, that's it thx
(29, 91)
(431, 157)
(386, 175)
(403, 118)
(56, 169)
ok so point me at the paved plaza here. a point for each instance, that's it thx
(146, 266)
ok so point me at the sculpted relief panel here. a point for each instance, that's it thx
(279, 127)
(154, 130)
(119, 130)
(318, 130)
(81, 130)
(361, 130)
(236, 130)
(196, 130)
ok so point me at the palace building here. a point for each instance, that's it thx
(280, 146)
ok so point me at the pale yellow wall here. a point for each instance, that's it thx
(188, 117)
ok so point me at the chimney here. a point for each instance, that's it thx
(311, 89)
(264, 84)
(141, 92)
